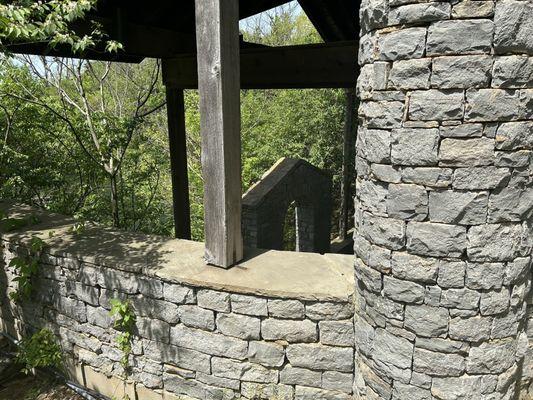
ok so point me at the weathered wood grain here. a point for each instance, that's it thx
(217, 35)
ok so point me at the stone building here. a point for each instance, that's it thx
(440, 307)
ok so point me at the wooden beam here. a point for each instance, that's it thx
(217, 33)
(326, 65)
(178, 162)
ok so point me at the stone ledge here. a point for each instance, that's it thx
(303, 276)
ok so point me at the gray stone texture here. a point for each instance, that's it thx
(447, 190)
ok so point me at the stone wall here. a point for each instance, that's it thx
(265, 205)
(444, 200)
(192, 339)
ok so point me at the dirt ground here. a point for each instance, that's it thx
(14, 385)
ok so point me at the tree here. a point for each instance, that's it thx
(50, 22)
(89, 98)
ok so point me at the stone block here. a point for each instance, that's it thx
(485, 275)
(515, 136)
(511, 204)
(471, 329)
(438, 364)
(243, 371)
(393, 350)
(415, 147)
(87, 294)
(463, 299)
(99, 316)
(513, 159)
(337, 333)
(386, 232)
(462, 131)
(386, 173)
(496, 242)
(320, 357)
(426, 321)
(428, 176)
(437, 240)
(249, 305)
(513, 72)
(208, 343)
(460, 37)
(291, 309)
(265, 391)
(364, 336)
(266, 354)
(419, 13)
(414, 268)
(410, 74)
(150, 287)
(403, 391)
(373, 14)
(373, 196)
(404, 291)
(453, 207)
(213, 300)
(153, 329)
(240, 326)
(436, 105)
(178, 294)
(369, 277)
(494, 302)
(513, 27)
(464, 387)
(374, 145)
(196, 317)
(124, 282)
(451, 274)
(494, 105)
(179, 356)
(492, 357)
(299, 376)
(328, 310)
(480, 178)
(473, 9)
(408, 202)
(461, 72)
(382, 114)
(516, 270)
(339, 381)
(158, 309)
(466, 152)
(307, 393)
(289, 330)
(401, 44)
(443, 345)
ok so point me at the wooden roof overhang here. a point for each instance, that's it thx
(165, 29)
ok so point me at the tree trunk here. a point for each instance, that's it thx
(114, 200)
(350, 125)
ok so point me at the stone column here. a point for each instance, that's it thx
(444, 199)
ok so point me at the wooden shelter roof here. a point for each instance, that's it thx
(166, 28)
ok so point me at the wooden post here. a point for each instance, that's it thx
(350, 123)
(217, 41)
(178, 162)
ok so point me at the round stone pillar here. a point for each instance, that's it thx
(444, 200)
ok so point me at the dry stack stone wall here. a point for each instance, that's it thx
(444, 200)
(190, 342)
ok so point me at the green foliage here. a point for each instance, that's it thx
(26, 268)
(39, 350)
(75, 177)
(29, 21)
(125, 323)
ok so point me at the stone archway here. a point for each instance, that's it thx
(265, 206)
